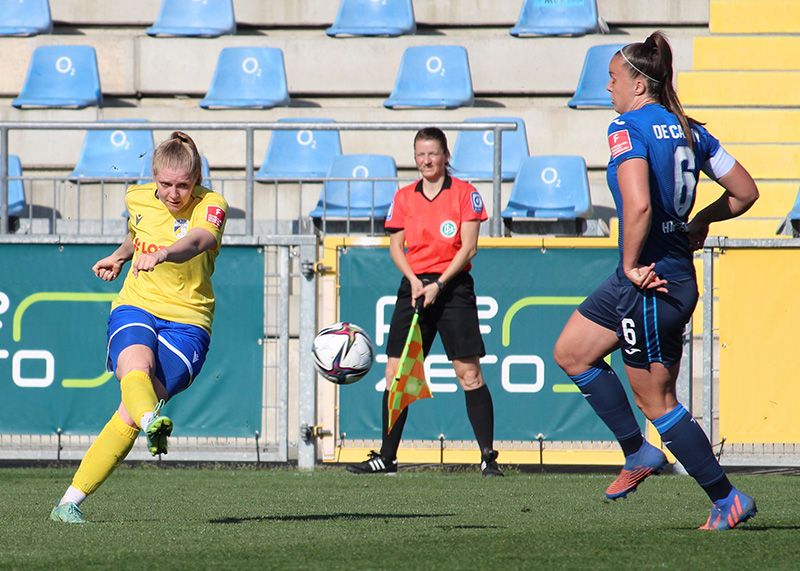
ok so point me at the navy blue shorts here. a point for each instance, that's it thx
(180, 349)
(454, 315)
(649, 324)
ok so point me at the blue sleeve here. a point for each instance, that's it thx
(625, 141)
(705, 144)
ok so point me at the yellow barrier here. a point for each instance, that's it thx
(758, 311)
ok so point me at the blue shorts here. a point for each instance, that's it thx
(649, 324)
(180, 349)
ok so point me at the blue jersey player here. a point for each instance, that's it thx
(657, 153)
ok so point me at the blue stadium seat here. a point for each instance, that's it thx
(25, 17)
(16, 192)
(591, 91)
(294, 155)
(374, 18)
(61, 76)
(197, 18)
(550, 187)
(110, 154)
(249, 78)
(365, 199)
(790, 225)
(571, 18)
(473, 154)
(433, 77)
(205, 171)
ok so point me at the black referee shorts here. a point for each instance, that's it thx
(454, 315)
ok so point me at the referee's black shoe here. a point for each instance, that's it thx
(489, 465)
(375, 464)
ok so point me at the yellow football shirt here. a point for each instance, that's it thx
(180, 292)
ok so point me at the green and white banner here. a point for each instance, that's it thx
(53, 315)
(525, 297)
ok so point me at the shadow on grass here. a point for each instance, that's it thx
(324, 517)
(453, 527)
(756, 528)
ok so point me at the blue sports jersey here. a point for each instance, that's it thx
(654, 134)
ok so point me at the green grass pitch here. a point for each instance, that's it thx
(147, 517)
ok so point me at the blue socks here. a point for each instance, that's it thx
(603, 391)
(689, 444)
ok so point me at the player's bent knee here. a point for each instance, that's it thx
(564, 357)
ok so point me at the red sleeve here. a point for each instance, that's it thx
(472, 206)
(396, 219)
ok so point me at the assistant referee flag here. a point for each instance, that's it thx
(409, 382)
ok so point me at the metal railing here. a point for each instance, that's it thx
(249, 130)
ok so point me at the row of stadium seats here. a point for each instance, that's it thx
(357, 186)
(67, 76)
(204, 18)
(295, 154)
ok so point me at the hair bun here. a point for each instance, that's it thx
(181, 136)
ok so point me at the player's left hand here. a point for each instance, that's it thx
(645, 277)
(148, 262)
(696, 232)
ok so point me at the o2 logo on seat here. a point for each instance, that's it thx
(435, 65)
(305, 138)
(119, 140)
(64, 66)
(549, 176)
(250, 66)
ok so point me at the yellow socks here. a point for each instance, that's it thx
(138, 395)
(111, 447)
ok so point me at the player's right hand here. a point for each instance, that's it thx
(108, 268)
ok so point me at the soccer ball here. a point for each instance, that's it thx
(343, 353)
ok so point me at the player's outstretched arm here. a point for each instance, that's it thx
(108, 268)
(740, 194)
(196, 241)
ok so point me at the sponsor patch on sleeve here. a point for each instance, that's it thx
(477, 202)
(391, 211)
(619, 142)
(216, 216)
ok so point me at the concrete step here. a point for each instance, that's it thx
(754, 17)
(55, 199)
(306, 13)
(747, 52)
(132, 63)
(774, 202)
(552, 127)
(750, 125)
(740, 88)
(767, 161)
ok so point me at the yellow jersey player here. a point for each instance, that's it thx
(160, 325)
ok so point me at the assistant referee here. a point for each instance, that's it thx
(434, 225)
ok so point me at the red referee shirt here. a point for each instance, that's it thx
(433, 227)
